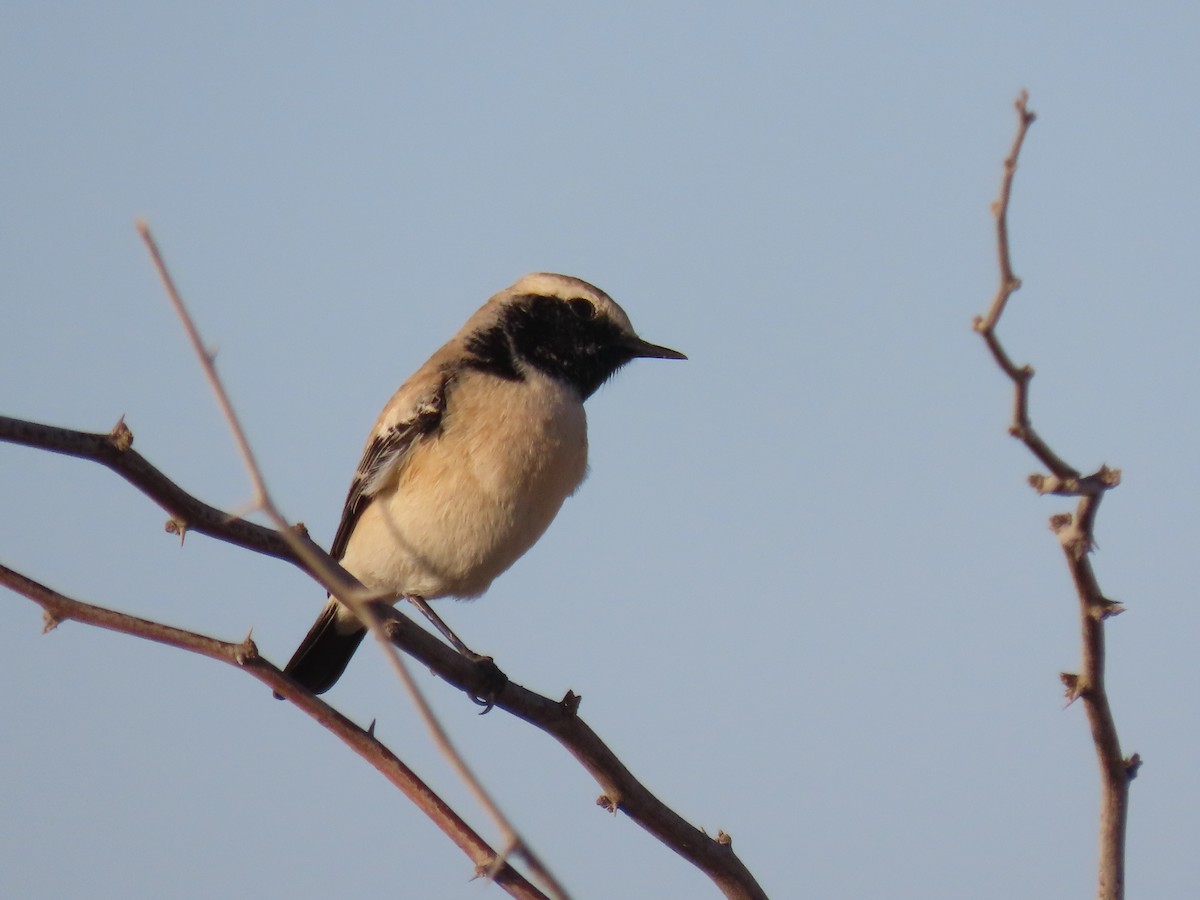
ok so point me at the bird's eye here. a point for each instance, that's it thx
(583, 309)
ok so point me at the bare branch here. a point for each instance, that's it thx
(1021, 427)
(207, 360)
(1008, 281)
(621, 790)
(114, 450)
(244, 655)
(1076, 536)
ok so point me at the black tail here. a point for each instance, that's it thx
(325, 652)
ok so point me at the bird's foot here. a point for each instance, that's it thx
(487, 682)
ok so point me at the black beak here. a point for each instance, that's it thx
(645, 350)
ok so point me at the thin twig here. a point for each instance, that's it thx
(262, 501)
(557, 718)
(713, 856)
(1021, 427)
(244, 655)
(207, 359)
(346, 589)
(1076, 536)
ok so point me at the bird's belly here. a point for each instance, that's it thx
(471, 502)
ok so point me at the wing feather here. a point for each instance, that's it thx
(385, 454)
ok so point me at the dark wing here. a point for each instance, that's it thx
(385, 453)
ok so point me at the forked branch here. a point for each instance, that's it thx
(714, 856)
(558, 718)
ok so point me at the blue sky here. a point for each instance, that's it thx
(804, 593)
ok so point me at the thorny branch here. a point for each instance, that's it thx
(558, 718)
(621, 790)
(244, 655)
(1076, 536)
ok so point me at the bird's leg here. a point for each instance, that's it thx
(442, 627)
(490, 672)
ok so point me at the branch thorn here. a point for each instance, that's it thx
(177, 526)
(120, 436)
(1132, 764)
(1074, 685)
(1105, 608)
(49, 622)
(570, 703)
(247, 651)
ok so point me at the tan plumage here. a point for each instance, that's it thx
(473, 456)
(455, 511)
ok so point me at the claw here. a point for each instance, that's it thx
(493, 680)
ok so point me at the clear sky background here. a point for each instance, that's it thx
(805, 593)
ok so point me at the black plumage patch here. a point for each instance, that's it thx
(567, 339)
(491, 351)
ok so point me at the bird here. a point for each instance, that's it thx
(473, 456)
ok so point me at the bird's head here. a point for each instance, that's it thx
(562, 326)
